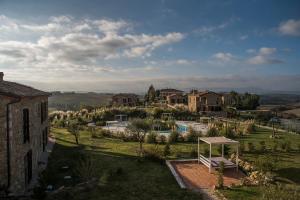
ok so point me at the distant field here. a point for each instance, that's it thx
(73, 101)
(294, 111)
(279, 99)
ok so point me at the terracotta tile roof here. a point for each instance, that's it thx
(18, 90)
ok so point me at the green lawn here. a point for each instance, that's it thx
(139, 180)
(148, 179)
(288, 169)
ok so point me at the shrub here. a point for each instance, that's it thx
(151, 138)
(275, 146)
(227, 132)
(251, 147)
(212, 132)
(280, 192)
(220, 175)
(262, 146)
(173, 137)
(161, 139)
(286, 146)
(154, 155)
(104, 133)
(298, 146)
(249, 128)
(192, 136)
(167, 150)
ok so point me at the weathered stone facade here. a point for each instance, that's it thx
(23, 135)
(125, 100)
(19, 148)
(204, 101)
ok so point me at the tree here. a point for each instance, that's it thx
(151, 94)
(139, 128)
(74, 130)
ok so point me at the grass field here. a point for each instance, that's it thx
(148, 179)
(72, 101)
(139, 180)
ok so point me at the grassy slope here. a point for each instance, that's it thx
(93, 99)
(140, 180)
(288, 165)
(153, 180)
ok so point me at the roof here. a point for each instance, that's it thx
(176, 95)
(218, 140)
(13, 89)
(204, 93)
(170, 90)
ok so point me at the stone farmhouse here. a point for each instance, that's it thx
(23, 135)
(164, 93)
(176, 99)
(125, 99)
(172, 96)
(208, 101)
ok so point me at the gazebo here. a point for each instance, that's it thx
(214, 162)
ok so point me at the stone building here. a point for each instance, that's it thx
(164, 93)
(176, 99)
(204, 101)
(125, 99)
(23, 135)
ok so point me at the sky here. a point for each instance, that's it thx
(126, 45)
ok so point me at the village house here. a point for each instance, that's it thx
(204, 101)
(164, 93)
(23, 135)
(125, 99)
(176, 99)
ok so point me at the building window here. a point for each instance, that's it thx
(28, 167)
(26, 137)
(44, 111)
(124, 100)
(45, 138)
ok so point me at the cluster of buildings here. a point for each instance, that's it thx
(24, 132)
(196, 101)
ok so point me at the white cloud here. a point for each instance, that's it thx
(65, 44)
(264, 57)
(290, 27)
(250, 50)
(223, 56)
(244, 37)
(260, 60)
(267, 51)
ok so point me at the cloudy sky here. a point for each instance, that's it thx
(121, 46)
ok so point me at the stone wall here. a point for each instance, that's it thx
(18, 149)
(3, 157)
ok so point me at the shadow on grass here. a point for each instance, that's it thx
(139, 179)
(291, 173)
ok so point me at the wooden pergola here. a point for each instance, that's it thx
(214, 162)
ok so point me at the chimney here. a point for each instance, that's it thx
(1, 76)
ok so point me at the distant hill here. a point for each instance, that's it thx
(279, 99)
(73, 101)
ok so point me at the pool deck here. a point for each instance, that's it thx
(196, 176)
